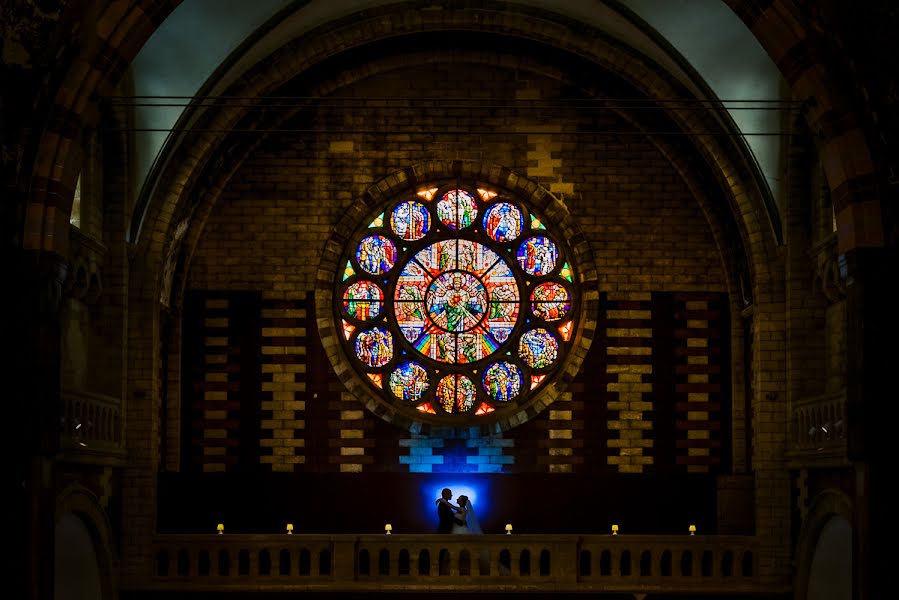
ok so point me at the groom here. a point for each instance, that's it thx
(445, 511)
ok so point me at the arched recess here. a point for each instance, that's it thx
(825, 539)
(85, 563)
(189, 189)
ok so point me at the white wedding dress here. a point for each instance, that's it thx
(471, 522)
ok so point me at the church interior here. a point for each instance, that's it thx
(618, 271)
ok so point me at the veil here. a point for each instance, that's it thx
(473, 525)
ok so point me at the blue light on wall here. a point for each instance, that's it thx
(476, 490)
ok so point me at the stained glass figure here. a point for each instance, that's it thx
(457, 209)
(456, 393)
(537, 255)
(502, 381)
(503, 222)
(456, 301)
(438, 257)
(363, 300)
(376, 254)
(409, 381)
(550, 301)
(410, 220)
(538, 348)
(374, 347)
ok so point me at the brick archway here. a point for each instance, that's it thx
(844, 151)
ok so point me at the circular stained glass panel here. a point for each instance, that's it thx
(538, 348)
(374, 347)
(550, 301)
(376, 254)
(503, 222)
(409, 381)
(457, 303)
(457, 209)
(363, 300)
(502, 381)
(456, 394)
(538, 255)
(410, 220)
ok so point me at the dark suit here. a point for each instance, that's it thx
(445, 514)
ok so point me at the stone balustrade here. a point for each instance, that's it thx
(623, 563)
(818, 429)
(91, 423)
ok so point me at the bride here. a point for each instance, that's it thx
(465, 521)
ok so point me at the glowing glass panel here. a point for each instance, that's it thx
(376, 254)
(456, 301)
(535, 223)
(409, 381)
(378, 222)
(374, 347)
(550, 301)
(427, 194)
(565, 330)
(483, 409)
(348, 330)
(565, 272)
(376, 378)
(410, 220)
(502, 381)
(538, 348)
(363, 300)
(348, 271)
(456, 394)
(457, 209)
(426, 407)
(486, 194)
(503, 222)
(537, 255)
(537, 380)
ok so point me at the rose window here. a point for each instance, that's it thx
(456, 302)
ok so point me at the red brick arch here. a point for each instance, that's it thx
(845, 154)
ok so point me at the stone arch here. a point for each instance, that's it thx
(824, 507)
(84, 505)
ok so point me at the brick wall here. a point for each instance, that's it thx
(647, 233)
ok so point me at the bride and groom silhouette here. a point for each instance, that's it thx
(456, 518)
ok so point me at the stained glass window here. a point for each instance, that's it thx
(457, 301)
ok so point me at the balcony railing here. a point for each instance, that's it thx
(818, 430)
(624, 563)
(91, 427)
